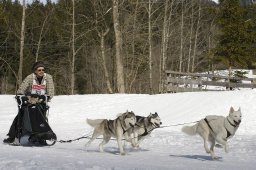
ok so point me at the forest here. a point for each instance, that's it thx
(122, 46)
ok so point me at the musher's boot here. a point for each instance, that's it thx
(9, 140)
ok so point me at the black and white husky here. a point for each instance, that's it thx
(112, 128)
(143, 127)
(216, 129)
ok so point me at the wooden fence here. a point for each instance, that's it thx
(188, 82)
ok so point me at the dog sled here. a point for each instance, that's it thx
(32, 127)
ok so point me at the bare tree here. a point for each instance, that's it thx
(72, 81)
(4, 80)
(181, 36)
(102, 47)
(102, 31)
(150, 46)
(196, 36)
(22, 37)
(118, 44)
(135, 65)
(190, 35)
(165, 40)
(41, 36)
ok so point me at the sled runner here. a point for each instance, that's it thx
(32, 124)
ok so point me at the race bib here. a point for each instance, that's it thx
(38, 89)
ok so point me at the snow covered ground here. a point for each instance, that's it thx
(166, 148)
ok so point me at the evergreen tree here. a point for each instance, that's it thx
(251, 29)
(234, 39)
(231, 23)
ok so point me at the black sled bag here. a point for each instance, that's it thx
(33, 126)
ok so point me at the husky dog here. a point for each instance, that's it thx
(112, 128)
(216, 128)
(143, 127)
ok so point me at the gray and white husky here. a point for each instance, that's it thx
(143, 127)
(216, 129)
(112, 128)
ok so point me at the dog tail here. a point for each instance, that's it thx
(94, 122)
(190, 130)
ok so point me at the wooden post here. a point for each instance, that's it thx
(200, 83)
(254, 79)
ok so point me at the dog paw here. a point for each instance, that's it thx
(123, 153)
(207, 150)
(216, 158)
(136, 146)
(226, 149)
(218, 146)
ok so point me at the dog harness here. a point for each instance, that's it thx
(228, 133)
(146, 130)
(109, 122)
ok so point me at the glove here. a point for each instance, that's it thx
(34, 95)
(33, 100)
(21, 99)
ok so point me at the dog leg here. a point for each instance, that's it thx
(206, 146)
(223, 142)
(135, 142)
(212, 140)
(127, 139)
(106, 139)
(205, 136)
(204, 132)
(94, 136)
(226, 147)
(120, 144)
(212, 145)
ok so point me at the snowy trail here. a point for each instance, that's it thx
(166, 148)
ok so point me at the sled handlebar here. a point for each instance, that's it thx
(31, 99)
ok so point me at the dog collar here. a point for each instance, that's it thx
(231, 123)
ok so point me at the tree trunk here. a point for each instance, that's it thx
(40, 37)
(118, 44)
(22, 37)
(190, 36)
(133, 74)
(196, 34)
(229, 75)
(73, 50)
(162, 62)
(181, 37)
(102, 46)
(150, 48)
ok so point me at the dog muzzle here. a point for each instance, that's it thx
(157, 125)
(132, 125)
(237, 122)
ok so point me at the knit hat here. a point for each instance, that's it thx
(37, 64)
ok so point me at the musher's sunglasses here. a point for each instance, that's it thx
(40, 70)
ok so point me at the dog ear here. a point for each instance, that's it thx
(231, 110)
(239, 109)
(156, 114)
